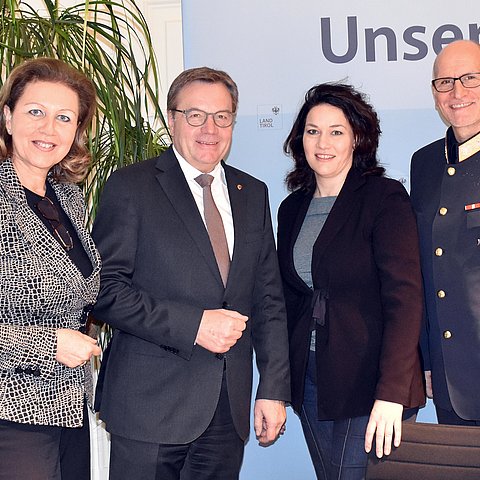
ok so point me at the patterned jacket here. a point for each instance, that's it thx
(41, 290)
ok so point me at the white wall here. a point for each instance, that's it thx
(164, 18)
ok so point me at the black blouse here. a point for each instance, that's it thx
(77, 253)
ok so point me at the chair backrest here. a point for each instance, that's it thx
(431, 452)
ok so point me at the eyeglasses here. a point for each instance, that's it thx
(446, 84)
(196, 118)
(49, 211)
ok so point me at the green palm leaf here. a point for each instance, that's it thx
(110, 42)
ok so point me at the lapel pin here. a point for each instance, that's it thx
(239, 186)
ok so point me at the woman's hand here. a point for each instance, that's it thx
(75, 348)
(386, 424)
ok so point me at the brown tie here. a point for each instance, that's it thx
(215, 229)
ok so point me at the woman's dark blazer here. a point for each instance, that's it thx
(366, 266)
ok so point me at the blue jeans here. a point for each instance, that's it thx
(336, 447)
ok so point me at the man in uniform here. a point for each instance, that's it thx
(445, 190)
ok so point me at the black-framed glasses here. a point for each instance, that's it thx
(446, 84)
(49, 211)
(196, 117)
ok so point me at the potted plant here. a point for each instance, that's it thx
(110, 42)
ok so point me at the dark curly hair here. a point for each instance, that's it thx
(74, 167)
(362, 119)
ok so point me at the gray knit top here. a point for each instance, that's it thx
(315, 218)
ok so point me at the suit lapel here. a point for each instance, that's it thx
(68, 199)
(301, 212)
(175, 186)
(37, 235)
(237, 192)
(338, 216)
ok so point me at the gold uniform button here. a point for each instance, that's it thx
(443, 211)
(451, 171)
(439, 252)
(447, 334)
(441, 294)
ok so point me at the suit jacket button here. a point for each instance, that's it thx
(447, 334)
(443, 211)
(441, 294)
(220, 356)
(451, 171)
(439, 252)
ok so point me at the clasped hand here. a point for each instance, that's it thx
(74, 348)
(220, 329)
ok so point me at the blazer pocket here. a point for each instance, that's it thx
(473, 218)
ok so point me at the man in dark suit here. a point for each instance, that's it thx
(176, 396)
(445, 179)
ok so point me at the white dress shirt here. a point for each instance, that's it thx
(219, 193)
